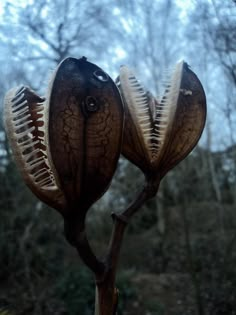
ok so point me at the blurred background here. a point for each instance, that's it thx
(179, 252)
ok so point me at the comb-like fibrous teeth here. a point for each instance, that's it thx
(153, 120)
(137, 101)
(25, 127)
(165, 110)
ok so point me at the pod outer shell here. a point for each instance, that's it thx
(189, 121)
(85, 130)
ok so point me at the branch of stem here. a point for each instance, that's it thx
(105, 272)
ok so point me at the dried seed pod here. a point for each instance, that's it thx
(67, 147)
(85, 130)
(158, 135)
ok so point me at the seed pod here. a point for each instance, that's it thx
(67, 147)
(85, 130)
(159, 134)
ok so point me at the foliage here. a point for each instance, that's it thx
(76, 288)
(4, 312)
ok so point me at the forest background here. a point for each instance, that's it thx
(179, 253)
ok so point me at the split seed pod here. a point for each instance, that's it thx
(68, 145)
(159, 134)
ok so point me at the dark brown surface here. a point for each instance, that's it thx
(85, 130)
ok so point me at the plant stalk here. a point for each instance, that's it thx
(106, 297)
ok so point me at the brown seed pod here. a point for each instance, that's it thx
(67, 147)
(158, 135)
(85, 130)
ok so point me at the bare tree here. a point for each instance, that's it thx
(39, 35)
(151, 45)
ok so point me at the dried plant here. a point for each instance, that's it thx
(67, 146)
(159, 134)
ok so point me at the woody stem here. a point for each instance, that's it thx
(75, 233)
(105, 272)
(106, 292)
